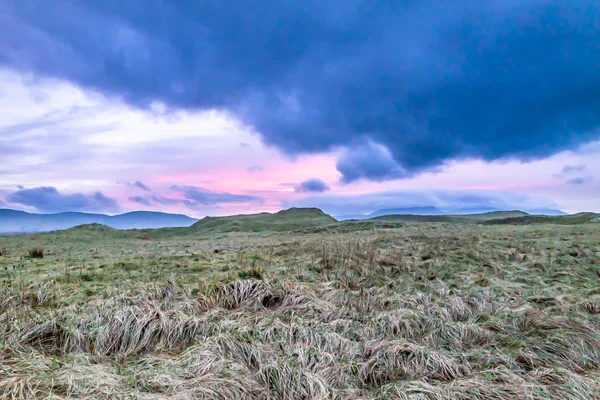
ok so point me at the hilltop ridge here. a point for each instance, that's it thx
(284, 220)
(14, 221)
(292, 219)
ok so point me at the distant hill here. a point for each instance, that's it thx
(351, 216)
(432, 211)
(463, 218)
(13, 221)
(149, 220)
(574, 219)
(546, 211)
(473, 210)
(428, 210)
(481, 210)
(286, 220)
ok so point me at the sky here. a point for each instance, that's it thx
(218, 108)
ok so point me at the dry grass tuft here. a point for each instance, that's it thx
(36, 252)
(392, 361)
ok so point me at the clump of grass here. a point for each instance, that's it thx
(389, 362)
(36, 252)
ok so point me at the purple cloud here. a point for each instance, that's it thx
(573, 168)
(140, 200)
(49, 199)
(579, 180)
(140, 185)
(200, 196)
(312, 185)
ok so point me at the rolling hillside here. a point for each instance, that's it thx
(432, 211)
(13, 221)
(293, 219)
(286, 220)
(466, 218)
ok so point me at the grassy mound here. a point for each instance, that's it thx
(90, 228)
(286, 220)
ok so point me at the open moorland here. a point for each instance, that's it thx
(298, 306)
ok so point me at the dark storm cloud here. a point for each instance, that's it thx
(312, 185)
(371, 162)
(49, 199)
(430, 81)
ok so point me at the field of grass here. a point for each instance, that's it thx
(360, 310)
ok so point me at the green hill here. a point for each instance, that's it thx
(575, 219)
(286, 220)
(452, 218)
(91, 228)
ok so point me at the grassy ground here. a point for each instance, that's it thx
(364, 310)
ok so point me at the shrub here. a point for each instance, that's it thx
(2, 252)
(36, 253)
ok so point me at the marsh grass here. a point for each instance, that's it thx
(427, 311)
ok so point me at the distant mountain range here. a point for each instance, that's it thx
(13, 221)
(430, 210)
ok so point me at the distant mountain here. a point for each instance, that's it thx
(423, 210)
(351, 216)
(452, 218)
(546, 211)
(149, 220)
(427, 210)
(569, 219)
(472, 210)
(13, 221)
(430, 210)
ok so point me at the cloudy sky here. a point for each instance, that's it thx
(214, 108)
